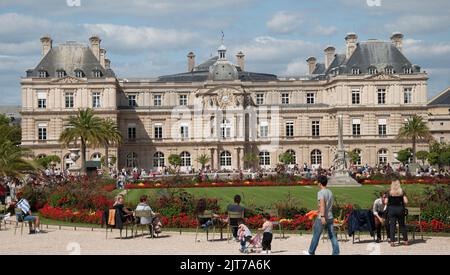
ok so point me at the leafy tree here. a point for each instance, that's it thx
(287, 158)
(85, 127)
(250, 159)
(422, 155)
(414, 129)
(110, 136)
(354, 157)
(404, 155)
(175, 160)
(47, 160)
(438, 154)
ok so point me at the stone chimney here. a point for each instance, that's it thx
(95, 46)
(102, 57)
(240, 60)
(191, 61)
(312, 61)
(107, 64)
(350, 40)
(397, 40)
(46, 45)
(330, 51)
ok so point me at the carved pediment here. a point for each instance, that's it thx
(68, 80)
(382, 76)
(222, 97)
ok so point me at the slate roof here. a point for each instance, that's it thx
(69, 57)
(441, 99)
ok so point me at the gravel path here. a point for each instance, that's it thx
(84, 241)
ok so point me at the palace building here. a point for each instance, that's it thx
(220, 109)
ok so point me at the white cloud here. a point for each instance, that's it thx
(296, 67)
(420, 48)
(285, 22)
(327, 31)
(418, 23)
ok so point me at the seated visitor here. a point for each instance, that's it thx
(200, 210)
(380, 215)
(124, 213)
(235, 208)
(26, 215)
(154, 220)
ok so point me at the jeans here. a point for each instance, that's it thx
(267, 241)
(318, 228)
(397, 213)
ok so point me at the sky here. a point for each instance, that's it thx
(149, 38)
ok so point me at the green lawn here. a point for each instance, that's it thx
(266, 196)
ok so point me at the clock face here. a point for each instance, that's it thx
(225, 98)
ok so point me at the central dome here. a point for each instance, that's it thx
(223, 70)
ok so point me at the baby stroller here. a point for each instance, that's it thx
(254, 244)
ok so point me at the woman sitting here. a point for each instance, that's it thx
(201, 210)
(124, 213)
(154, 219)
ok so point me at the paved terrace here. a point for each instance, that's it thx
(67, 241)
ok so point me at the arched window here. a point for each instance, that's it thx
(158, 159)
(225, 128)
(97, 73)
(132, 160)
(292, 153)
(382, 156)
(389, 70)
(225, 158)
(96, 156)
(358, 160)
(264, 158)
(79, 73)
(185, 159)
(316, 157)
(60, 73)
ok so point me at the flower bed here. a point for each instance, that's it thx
(149, 185)
(71, 215)
(408, 181)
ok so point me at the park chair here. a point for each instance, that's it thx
(19, 219)
(274, 214)
(2, 209)
(412, 212)
(205, 215)
(144, 214)
(235, 216)
(339, 227)
(111, 222)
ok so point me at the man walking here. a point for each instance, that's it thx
(324, 219)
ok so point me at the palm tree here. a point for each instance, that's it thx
(87, 128)
(110, 135)
(203, 159)
(414, 129)
(12, 160)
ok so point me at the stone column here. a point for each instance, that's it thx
(212, 158)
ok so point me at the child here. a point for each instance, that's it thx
(267, 235)
(244, 235)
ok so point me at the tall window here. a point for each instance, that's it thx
(263, 129)
(310, 98)
(132, 160)
(284, 98)
(42, 131)
(225, 158)
(158, 131)
(382, 128)
(185, 159)
(132, 100)
(382, 156)
(259, 99)
(407, 95)
(158, 159)
(183, 100)
(184, 131)
(42, 100)
(315, 128)
(132, 131)
(96, 100)
(157, 100)
(358, 159)
(264, 158)
(356, 127)
(225, 129)
(356, 97)
(381, 96)
(69, 99)
(316, 157)
(289, 129)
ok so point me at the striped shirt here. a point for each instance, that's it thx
(24, 206)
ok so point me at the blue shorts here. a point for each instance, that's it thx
(29, 219)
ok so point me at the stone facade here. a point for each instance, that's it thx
(439, 116)
(221, 110)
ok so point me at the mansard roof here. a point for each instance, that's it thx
(70, 57)
(442, 98)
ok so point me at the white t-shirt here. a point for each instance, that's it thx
(143, 206)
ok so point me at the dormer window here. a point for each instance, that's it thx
(97, 73)
(79, 73)
(407, 70)
(373, 70)
(60, 73)
(389, 70)
(43, 74)
(356, 70)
